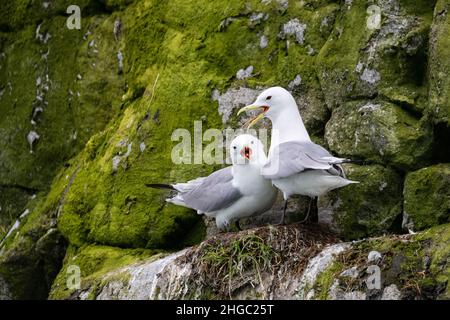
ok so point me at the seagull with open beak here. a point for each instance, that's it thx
(296, 165)
(232, 193)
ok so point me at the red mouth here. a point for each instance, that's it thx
(246, 152)
(265, 109)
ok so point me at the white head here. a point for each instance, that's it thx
(272, 102)
(247, 149)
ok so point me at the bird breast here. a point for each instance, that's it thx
(249, 181)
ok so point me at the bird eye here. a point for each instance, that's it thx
(269, 97)
(251, 142)
(234, 147)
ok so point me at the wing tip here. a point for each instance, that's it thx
(160, 186)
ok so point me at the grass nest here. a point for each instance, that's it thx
(264, 257)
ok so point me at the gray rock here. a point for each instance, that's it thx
(263, 42)
(350, 273)
(32, 138)
(244, 73)
(319, 264)
(336, 293)
(370, 76)
(391, 293)
(374, 256)
(295, 83)
(356, 211)
(159, 279)
(232, 99)
(294, 28)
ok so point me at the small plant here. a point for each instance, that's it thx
(227, 263)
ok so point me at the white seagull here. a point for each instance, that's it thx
(231, 193)
(296, 165)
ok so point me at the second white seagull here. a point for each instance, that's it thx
(232, 193)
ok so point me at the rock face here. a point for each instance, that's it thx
(381, 132)
(290, 262)
(439, 63)
(427, 202)
(372, 207)
(376, 52)
(91, 115)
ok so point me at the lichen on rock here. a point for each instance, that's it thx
(381, 132)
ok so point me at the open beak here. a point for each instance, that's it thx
(246, 153)
(252, 121)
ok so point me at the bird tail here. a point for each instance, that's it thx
(160, 186)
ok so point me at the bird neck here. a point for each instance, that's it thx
(288, 126)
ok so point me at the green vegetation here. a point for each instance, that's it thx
(225, 264)
(103, 134)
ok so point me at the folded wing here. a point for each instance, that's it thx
(293, 157)
(208, 194)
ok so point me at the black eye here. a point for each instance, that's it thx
(251, 142)
(234, 147)
(269, 97)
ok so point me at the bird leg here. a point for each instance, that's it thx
(238, 226)
(311, 201)
(309, 210)
(315, 216)
(283, 222)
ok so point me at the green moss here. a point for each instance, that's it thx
(67, 120)
(439, 65)
(398, 56)
(111, 207)
(381, 132)
(325, 280)
(357, 211)
(439, 252)
(417, 265)
(94, 263)
(427, 197)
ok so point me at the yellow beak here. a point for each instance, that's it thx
(252, 121)
(249, 108)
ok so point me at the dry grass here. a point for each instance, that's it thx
(264, 257)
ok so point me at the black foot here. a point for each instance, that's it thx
(238, 226)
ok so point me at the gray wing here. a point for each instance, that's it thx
(293, 157)
(213, 192)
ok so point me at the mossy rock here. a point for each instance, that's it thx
(381, 132)
(93, 263)
(17, 14)
(61, 84)
(415, 266)
(439, 65)
(371, 208)
(29, 267)
(108, 204)
(360, 60)
(427, 197)
(13, 203)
